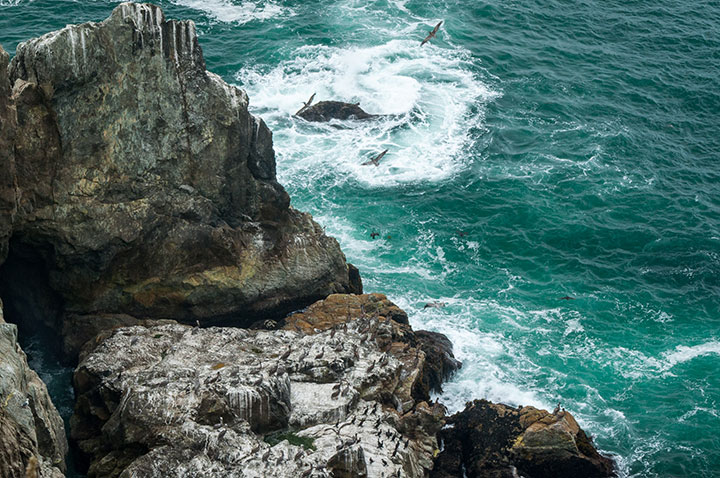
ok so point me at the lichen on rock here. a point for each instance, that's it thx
(173, 397)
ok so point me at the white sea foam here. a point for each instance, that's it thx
(427, 97)
(683, 353)
(236, 12)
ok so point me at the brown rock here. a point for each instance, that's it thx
(495, 440)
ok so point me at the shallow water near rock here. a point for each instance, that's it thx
(536, 151)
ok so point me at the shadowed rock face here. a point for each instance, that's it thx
(143, 186)
(489, 440)
(32, 435)
(8, 200)
(328, 110)
(172, 400)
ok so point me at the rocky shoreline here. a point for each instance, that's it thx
(217, 331)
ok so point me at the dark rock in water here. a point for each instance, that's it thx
(440, 360)
(494, 440)
(328, 110)
(32, 435)
(144, 186)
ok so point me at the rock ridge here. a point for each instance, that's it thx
(138, 183)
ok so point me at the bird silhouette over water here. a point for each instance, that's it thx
(376, 159)
(374, 235)
(567, 297)
(307, 103)
(432, 34)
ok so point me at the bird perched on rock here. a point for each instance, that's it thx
(320, 355)
(431, 35)
(375, 160)
(286, 354)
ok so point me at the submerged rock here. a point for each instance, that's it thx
(329, 110)
(32, 434)
(335, 400)
(488, 440)
(144, 186)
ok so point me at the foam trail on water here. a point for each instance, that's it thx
(236, 12)
(429, 100)
(684, 353)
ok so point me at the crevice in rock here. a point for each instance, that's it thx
(25, 290)
(30, 302)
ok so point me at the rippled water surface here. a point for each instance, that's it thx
(537, 149)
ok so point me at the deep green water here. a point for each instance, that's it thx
(537, 149)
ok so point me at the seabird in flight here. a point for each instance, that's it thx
(307, 103)
(376, 159)
(432, 34)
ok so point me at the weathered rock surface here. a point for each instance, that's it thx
(437, 363)
(488, 440)
(32, 435)
(8, 120)
(172, 400)
(329, 110)
(144, 186)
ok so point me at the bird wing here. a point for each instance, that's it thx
(431, 34)
(379, 156)
(368, 163)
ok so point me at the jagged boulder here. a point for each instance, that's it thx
(489, 440)
(328, 110)
(145, 187)
(434, 355)
(173, 400)
(32, 434)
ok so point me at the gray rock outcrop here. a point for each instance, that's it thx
(172, 400)
(143, 185)
(32, 435)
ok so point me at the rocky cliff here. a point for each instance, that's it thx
(32, 436)
(139, 183)
(332, 394)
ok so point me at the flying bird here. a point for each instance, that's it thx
(567, 297)
(376, 159)
(307, 103)
(432, 34)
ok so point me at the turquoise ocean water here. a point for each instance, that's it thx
(537, 149)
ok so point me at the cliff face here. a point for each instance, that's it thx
(7, 157)
(143, 186)
(32, 436)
